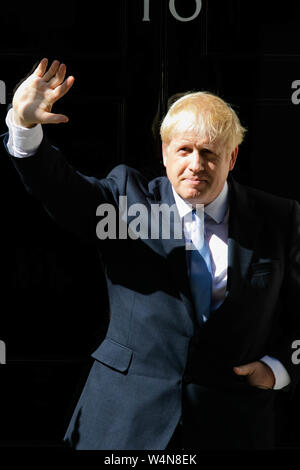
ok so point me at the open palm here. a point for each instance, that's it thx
(33, 100)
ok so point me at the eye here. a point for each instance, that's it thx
(184, 149)
(209, 154)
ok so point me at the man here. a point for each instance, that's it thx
(201, 326)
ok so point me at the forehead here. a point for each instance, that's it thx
(195, 138)
(190, 136)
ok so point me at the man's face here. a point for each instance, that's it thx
(196, 168)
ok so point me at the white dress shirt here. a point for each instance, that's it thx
(216, 230)
(23, 143)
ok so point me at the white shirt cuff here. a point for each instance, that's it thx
(282, 377)
(22, 142)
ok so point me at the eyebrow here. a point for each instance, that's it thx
(187, 142)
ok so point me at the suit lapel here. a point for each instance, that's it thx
(174, 249)
(242, 235)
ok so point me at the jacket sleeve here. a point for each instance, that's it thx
(285, 349)
(69, 197)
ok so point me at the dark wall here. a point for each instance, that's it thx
(53, 297)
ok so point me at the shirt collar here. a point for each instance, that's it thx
(217, 209)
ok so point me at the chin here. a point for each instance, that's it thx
(194, 195)
(195, 191)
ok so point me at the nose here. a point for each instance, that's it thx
(196, 162)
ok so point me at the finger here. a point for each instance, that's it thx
(41, 68)
(52, 70)
(246, 369)
(59, 77)
(62, 89)
(51, 118)
(263, 387)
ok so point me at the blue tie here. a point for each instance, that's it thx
(200, 270)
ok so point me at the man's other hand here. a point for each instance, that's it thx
(34, 98)
(258, 374)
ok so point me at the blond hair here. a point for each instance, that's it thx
(205, 113)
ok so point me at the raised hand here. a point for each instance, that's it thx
(34, 98)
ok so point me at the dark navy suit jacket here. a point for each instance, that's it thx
(156, 364)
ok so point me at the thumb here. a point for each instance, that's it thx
(51, 118)
(246, 369)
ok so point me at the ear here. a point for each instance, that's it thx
(164, 152)
(233, 158)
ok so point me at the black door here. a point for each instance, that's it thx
(129, 58)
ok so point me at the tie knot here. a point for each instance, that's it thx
(198, 216)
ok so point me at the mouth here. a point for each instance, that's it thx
(196, 181)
